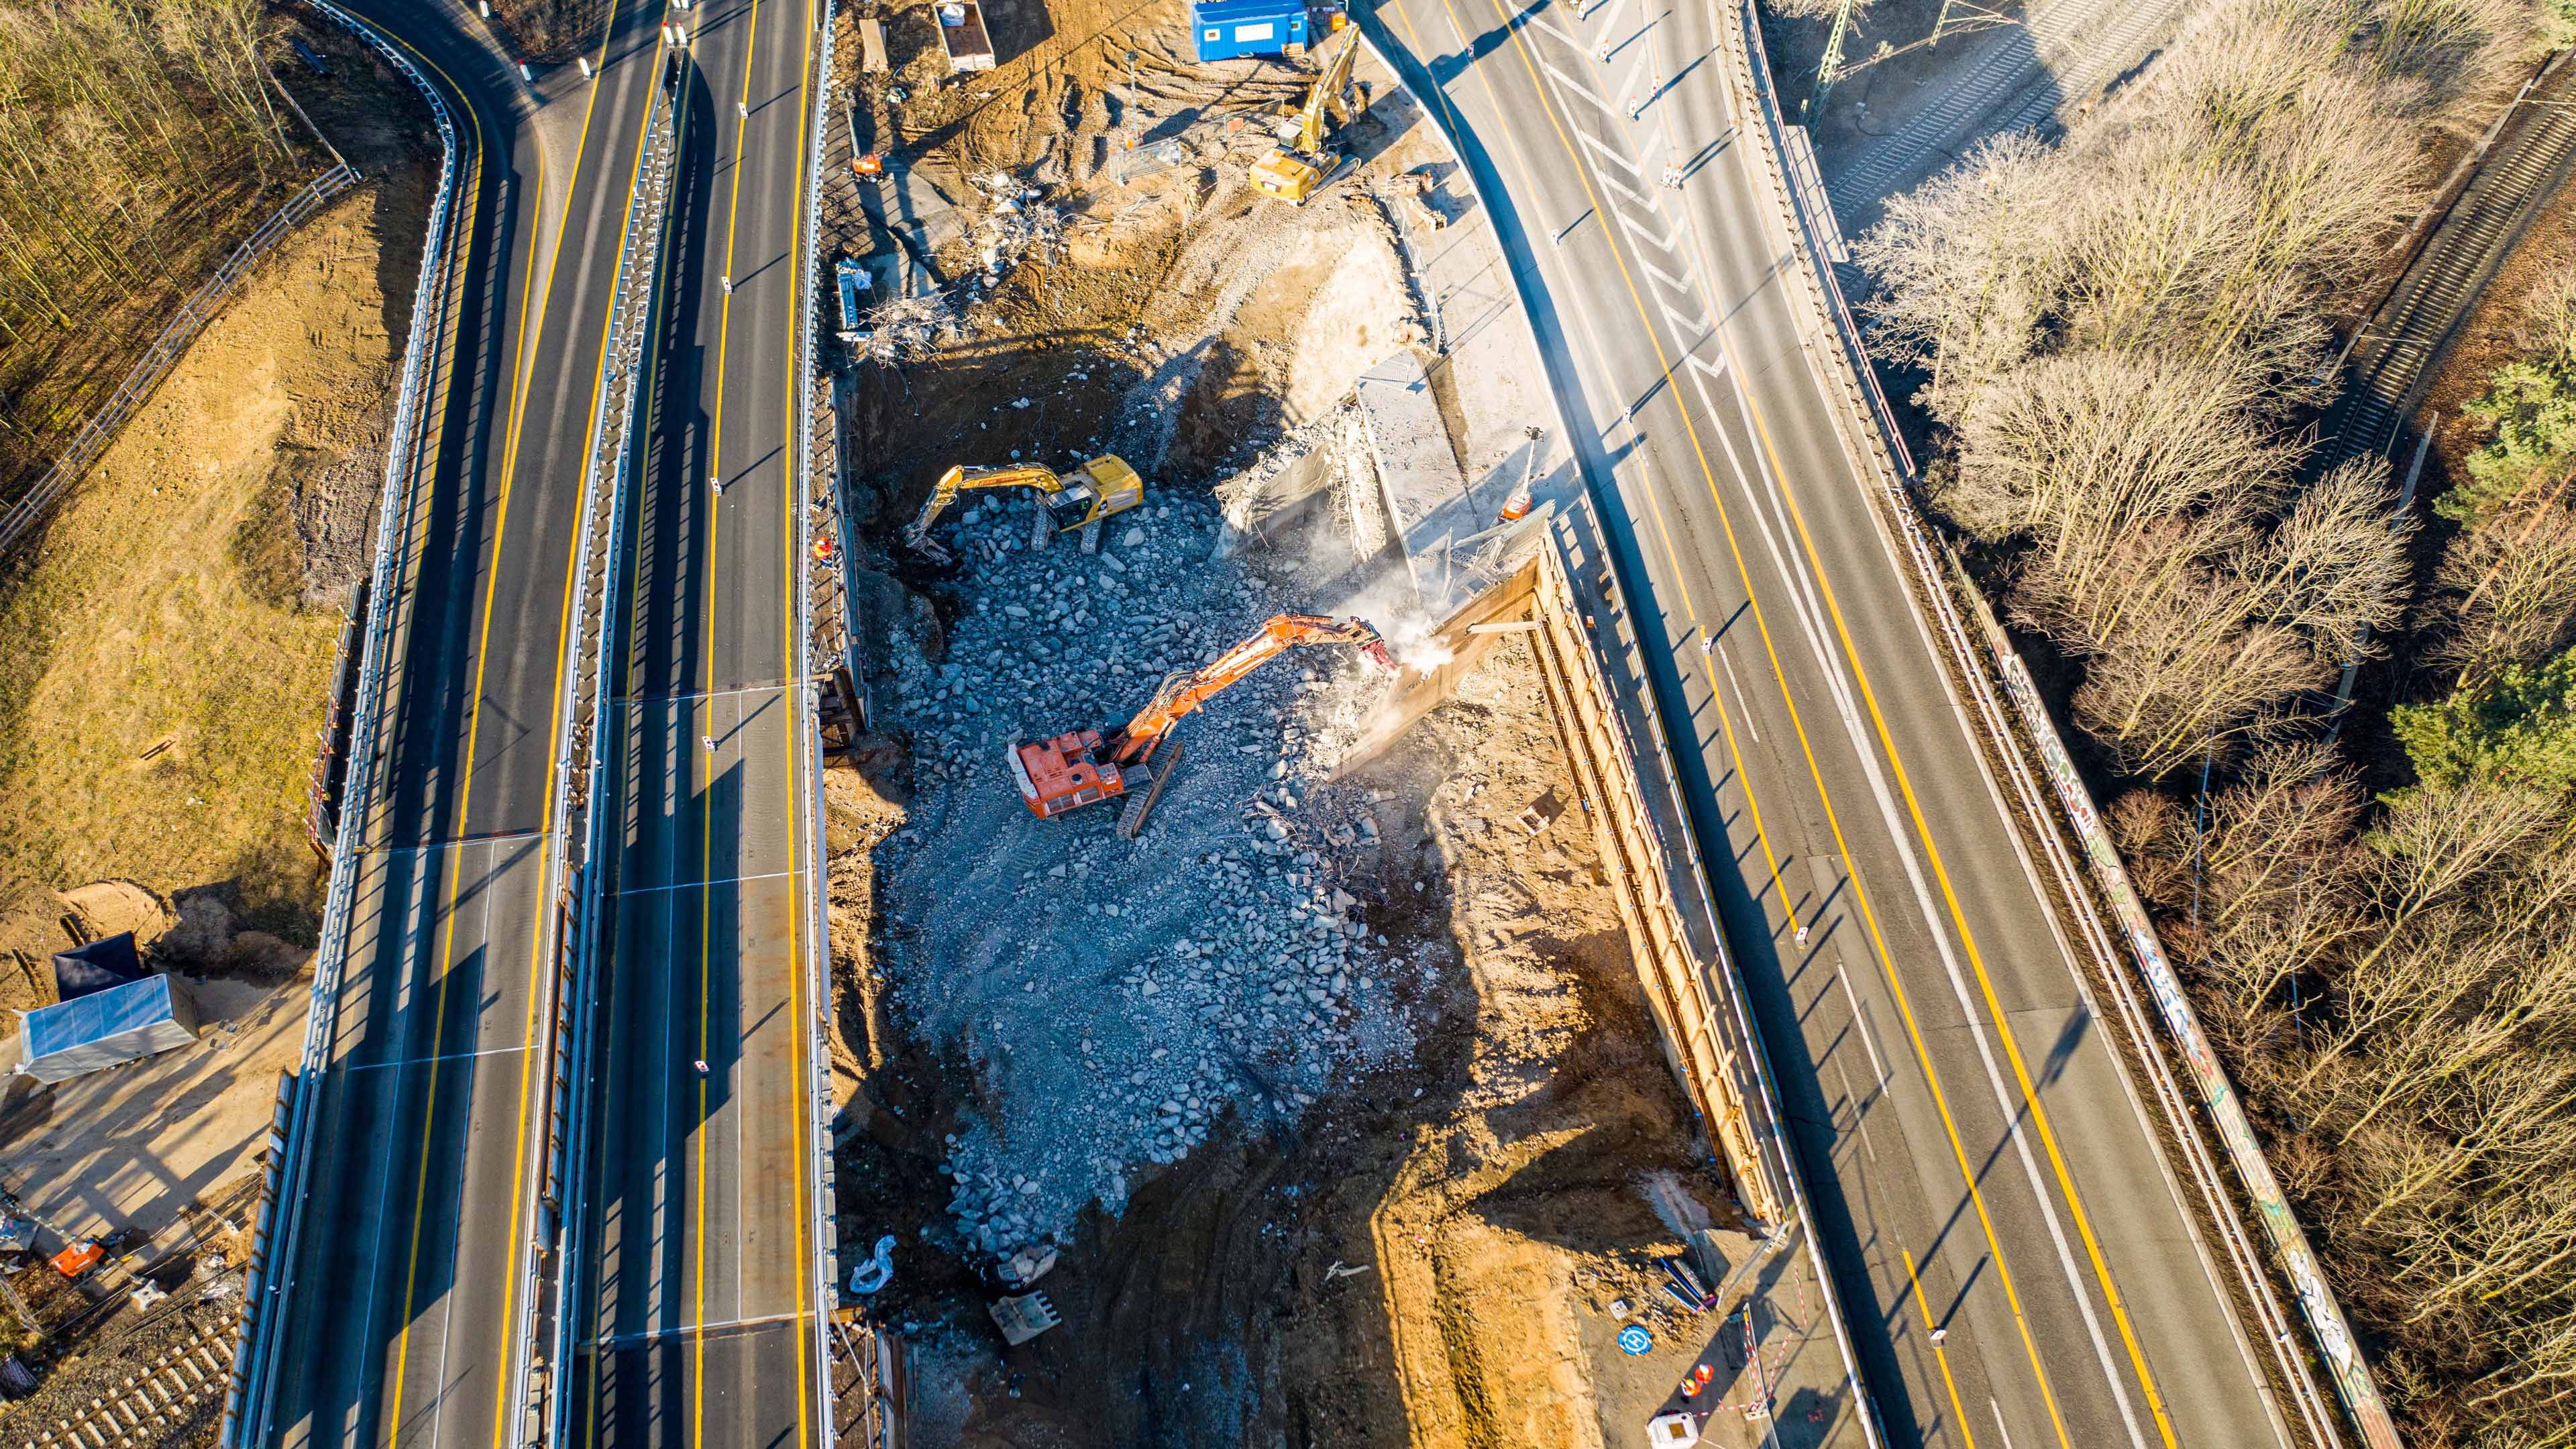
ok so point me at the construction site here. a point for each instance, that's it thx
(1224, 1060)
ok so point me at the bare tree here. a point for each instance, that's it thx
(2505, 591)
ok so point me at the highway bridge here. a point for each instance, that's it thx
(701, 1303)
(2017, 1264)
(408, 1267)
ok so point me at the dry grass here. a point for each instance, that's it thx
(163, 679)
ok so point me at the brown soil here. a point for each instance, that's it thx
(1491, 1194)
(169, 643)
(1168, 327)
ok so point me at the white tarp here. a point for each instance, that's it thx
(121, 1024)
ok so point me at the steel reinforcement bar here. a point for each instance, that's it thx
(164, 353)
(1874, 442)
(246, 1403)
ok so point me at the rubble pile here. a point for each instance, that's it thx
(1117, 1001)
(910, 327)
(1020, 224)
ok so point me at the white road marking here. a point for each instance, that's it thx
(1570, 83)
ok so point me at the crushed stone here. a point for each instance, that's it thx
(1117, 1001)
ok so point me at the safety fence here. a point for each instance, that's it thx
(164, 353)
(817, 962)
(579, 882)
(1872, 437)
(272, 1266)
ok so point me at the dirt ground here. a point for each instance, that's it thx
(168, 645)
(133, 1146)
(165, 651)
(1460, 1160)
(1430, 1255)
(1169, 323)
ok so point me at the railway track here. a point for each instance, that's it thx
(2069, 51)
(154, 1404)
(2391, 362)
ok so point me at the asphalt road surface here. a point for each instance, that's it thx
(701, 1324)
(403, 1308)
(1978, 1161)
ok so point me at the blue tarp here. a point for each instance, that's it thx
(104, 1028)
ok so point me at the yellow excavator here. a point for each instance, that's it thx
(1081, 766)
(1300, 165)
(1101, 488)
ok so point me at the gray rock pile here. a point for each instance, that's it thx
(1120, 1001)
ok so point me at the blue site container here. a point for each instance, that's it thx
(1225, 29)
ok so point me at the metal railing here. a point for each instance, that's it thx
(172, 344)
(247, 1404)
(579, 882)
(818, 957)
(1881, 440)
(1682, 847)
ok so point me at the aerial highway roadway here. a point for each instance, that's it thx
(402, 1307)
(702, 1302)
(2016, 1263)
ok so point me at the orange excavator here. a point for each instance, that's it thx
(1056, 775)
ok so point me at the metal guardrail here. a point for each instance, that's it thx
(172, 344)
(1685, 839)
(2329, 1332)
(580, 880)
(818, 957)
(246, 1405)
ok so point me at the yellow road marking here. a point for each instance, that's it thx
(647, 369)
(706, 842)
(799, 1082)
(554, 717)
(1967, 938)
(1860, 893)
(1958, 1415)
(522, 362)
(464, 796)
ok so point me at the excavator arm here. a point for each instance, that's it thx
(1336, 77)
(1183, 694)
(1099, 489)
(1056, 775)
(944, 492)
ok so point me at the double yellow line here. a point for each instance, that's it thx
(2029, 1094)
(524, 352)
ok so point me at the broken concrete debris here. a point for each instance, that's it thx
(1116, 1002)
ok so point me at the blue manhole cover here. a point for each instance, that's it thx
(1634, 1339)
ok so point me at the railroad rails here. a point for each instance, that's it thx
(156, 1403)
(2391, 360)
(2011, 88)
